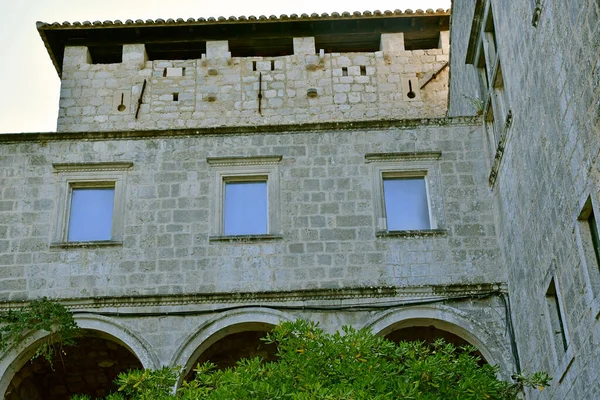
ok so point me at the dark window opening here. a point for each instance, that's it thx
(416, 41)
(556, 320)
(483, 75)
(590, 242)
(344, 71)
(175, 96)
(106, 54)
(593, 226)
(275, 47)
(429, 334)
(175, 51)
(87, 368)
(341, 44)
(253, 65)
(363, 70)
(490, 29)
(272, 65)
(228, 350)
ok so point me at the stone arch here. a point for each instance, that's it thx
(493, 349)
(16, 357)
(216, 328)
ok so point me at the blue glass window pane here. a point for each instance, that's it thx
(406, 205)
(245, 208)
(91, 214)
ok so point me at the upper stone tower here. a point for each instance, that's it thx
(250, 70)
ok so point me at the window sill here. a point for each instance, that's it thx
(99, 243)
(500, 149)
(564, 365)
(243, 238)
(413, 233)
(596, 308)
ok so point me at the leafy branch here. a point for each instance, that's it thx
(39, 315)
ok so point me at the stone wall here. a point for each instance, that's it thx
(176, 333)
(548, 170)
(464, 82)
(221, 90)
(328, 233)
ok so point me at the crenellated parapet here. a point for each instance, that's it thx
(339, 69)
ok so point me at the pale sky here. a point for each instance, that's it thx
(29, 84)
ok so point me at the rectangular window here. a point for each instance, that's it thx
(589, 244)
(499, 100)
(491, 127)
(406, 205)
(91, 202)
(482, 70)
(489, 36)
(91, 214)
(246, 207)
(406, 193)
(593, 229)
(247, 196)
(556, 321)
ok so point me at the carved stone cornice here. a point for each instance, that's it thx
(403, 156)
(92, 167)
(243, 161)
(314, 127)
(299, 298)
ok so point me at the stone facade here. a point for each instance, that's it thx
(221, 90)
(510, 166)
(547, 168)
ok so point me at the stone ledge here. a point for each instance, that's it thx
(565, 364)
(99, 243)
(376, 124)
(413, 233)
(307, 296)
(403, 156)
(243, 238)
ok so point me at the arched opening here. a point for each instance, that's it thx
(429, 334)
(233, 343)
(89, 367)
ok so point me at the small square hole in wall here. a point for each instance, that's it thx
(363, 70)
(175, 96)
(344, 71)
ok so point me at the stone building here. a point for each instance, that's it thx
(212, 177)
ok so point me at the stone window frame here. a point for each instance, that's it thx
(564, 360)
(409, 165)
(584, 242)
(245, 169)
(483, 53)
(89, 175)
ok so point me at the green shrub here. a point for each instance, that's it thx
(352, 365)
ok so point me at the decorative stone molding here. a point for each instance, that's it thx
(220, 326)
(413, 234)
(207, 301)
(92, 167)
(14, 359)
(404, 156)
(243, 161)
(448, 319)
(500, 150)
